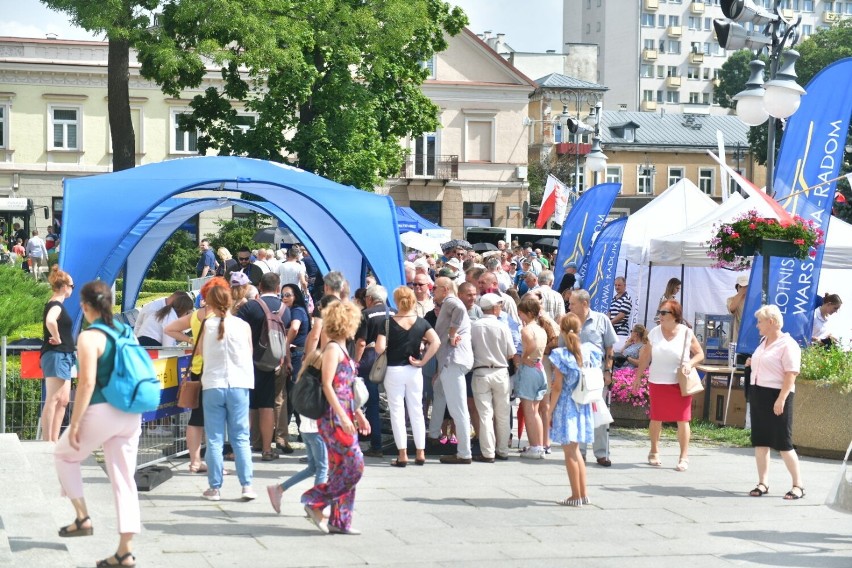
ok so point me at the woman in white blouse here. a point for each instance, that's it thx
(774, 367)
(671, 346)
(226, 380)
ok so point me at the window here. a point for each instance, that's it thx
(613, 174)
(705, 73)
(646, 71)
(706, 48)
(708, 22)
(662, 46)
(429, 65)
(599, 26)
(588, 29)
(659, 96)
(647, 95)
(694, 23)
(705, 180)
(478, 214)
(674, 46)
(430, 210)
(647, 20)
(581, 180)
(183, 141)
(693, 98)
(649, 44)
(644, 181)
(661, 21)
(675, 174)
(705, 98)
(672, 71)
(56, 209)
(693, 72)
(807, 30)
(661, 71)
(244, 123)
(425, 154)
(847, 8)
(4, 129)
(65, 127)
(674, 21)
(672, 97)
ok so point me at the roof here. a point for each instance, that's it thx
(656, 129)
(559, 81)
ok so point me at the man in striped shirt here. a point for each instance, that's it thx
(619, 310)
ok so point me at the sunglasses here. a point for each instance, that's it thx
(243, 258)
(288, 295)
(410, 284)
(664, 313)
(418, 284)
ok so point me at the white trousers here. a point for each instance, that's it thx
(404, 388)
(450, 392)
(491, 389)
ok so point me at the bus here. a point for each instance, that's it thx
(17, 210)
(508, 234)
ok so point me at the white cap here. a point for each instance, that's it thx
(488, 301)
(455, 263)
(742, 279)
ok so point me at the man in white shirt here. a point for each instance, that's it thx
(37, 253)
(293, 271)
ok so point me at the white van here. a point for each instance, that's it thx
(491, 235)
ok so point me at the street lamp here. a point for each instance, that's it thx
(596, 159)
(780, 97)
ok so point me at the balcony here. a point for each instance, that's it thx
(430, 167)
(649, 106)
(696, 57)
(787, 14)
(673, 82)
(651, 5)
(675, 31)
(697, 8)
(572, 149)
(649, 54)
(831, 17)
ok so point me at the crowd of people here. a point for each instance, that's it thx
(463, 341)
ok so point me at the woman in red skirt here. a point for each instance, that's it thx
(671, 345)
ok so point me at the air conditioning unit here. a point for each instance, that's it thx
(521, 172)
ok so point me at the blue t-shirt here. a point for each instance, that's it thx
(298, 313)
(207, 259)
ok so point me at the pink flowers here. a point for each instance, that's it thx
(622, 388)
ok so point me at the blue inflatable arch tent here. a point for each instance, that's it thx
(123, 218)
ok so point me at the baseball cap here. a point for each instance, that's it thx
(571, 265)
(533, 255)
(742, 279)
(488, 301)
(239, 279)
(447, 273)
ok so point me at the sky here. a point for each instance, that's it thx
(529, 25)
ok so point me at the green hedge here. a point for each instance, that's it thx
(157, 286)
(22, 299)
(24, 401)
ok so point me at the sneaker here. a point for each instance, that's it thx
(212, 494)
(547, 450)
(248, 493)
(533, 453)
(275, 493)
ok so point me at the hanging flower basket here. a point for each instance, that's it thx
(735, 243)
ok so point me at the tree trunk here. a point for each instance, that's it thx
(118, 93)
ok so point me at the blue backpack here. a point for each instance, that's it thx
(133, 385)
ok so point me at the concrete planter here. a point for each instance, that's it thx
(821, 424)
(629, 416)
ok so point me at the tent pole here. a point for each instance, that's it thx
(682, 286)
(648, 293)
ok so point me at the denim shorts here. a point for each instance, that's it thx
(530, 383)
(57, 364)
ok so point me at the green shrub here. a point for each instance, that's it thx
(176, 258)
(831, 366)
(156, 286)
(23, 401)
(22, 299)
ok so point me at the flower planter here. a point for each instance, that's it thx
(629, 416)
(821, 424)
(777, 247)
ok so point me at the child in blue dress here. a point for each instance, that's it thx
(571, 423)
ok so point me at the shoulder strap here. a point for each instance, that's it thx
(198, 339)
(106, 329)
(387, 321)
(685, 353)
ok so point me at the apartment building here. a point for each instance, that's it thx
(663, 54)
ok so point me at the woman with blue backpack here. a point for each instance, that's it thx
(96, 422)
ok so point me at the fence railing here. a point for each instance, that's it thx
(22, 400)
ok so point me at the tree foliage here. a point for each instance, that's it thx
(334, 84)
(176, 259)
(239, 232)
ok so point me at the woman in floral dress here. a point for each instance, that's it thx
(571, 423)
(340, 425)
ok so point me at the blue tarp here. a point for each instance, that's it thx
(408, 220)
(125, 217)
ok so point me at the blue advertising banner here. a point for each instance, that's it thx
(586, 218)
(811, 154)
(601, 265)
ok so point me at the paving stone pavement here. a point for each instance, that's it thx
(502, 514)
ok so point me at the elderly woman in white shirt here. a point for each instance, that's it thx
(774, 367)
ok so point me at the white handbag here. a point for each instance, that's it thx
(590, 387)
(840, 495)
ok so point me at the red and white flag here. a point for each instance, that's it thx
(554, 202)
(751, 189)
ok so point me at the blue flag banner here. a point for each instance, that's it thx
(601, 265)
(586, 218)
(811, 154)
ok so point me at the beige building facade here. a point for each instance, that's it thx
(472, 170)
